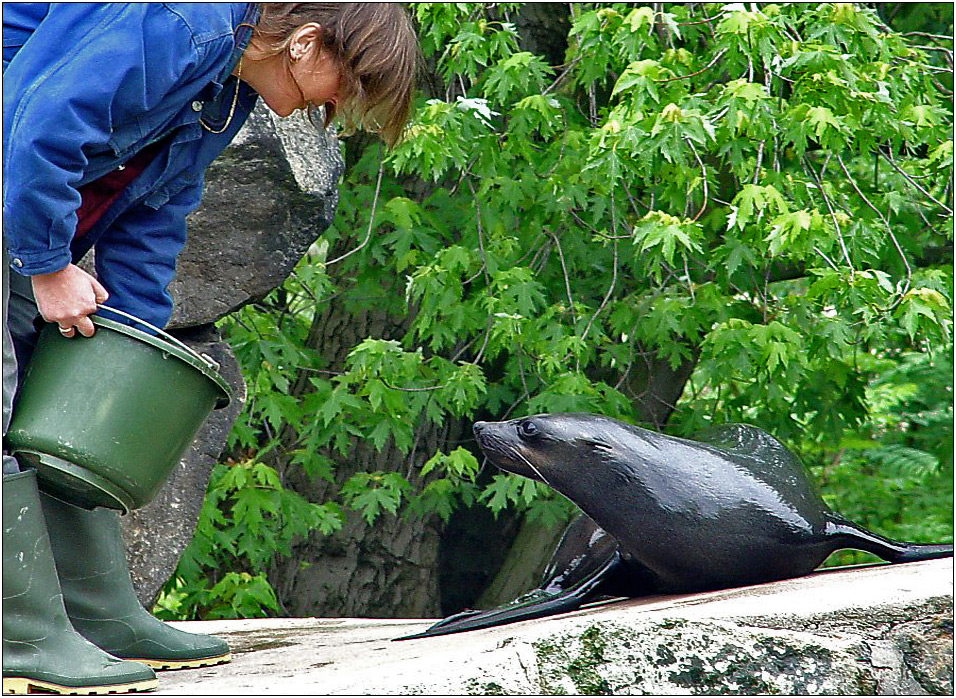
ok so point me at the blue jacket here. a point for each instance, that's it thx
(86, 86)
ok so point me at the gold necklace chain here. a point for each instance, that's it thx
(232, 107)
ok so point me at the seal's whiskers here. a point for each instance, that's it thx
(536, 471)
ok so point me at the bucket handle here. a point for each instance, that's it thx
(189, 350)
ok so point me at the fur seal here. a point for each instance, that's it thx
(665, 515)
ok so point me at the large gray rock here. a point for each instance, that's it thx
(879, 630)
(266, 200)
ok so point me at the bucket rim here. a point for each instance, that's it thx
(169, 348)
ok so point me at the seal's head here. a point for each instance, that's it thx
(550, 448)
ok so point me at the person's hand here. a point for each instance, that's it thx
(68, 297)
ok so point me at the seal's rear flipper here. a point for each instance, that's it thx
(534, 604)
(851, 535)
(922, 551)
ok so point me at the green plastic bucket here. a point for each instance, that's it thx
(105, 419)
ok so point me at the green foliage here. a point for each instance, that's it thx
(759, 193)
(246, 518)
(895, 474)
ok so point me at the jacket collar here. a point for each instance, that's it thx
(243, 34)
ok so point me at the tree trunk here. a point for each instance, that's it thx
(388, 569)
(655, 387)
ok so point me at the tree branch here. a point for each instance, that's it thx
(690, 75)
(564, 272)
(371, 216)
(703, 172)
(826, 200)
(914, 183)
(886, 224)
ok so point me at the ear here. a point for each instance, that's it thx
(306, 40)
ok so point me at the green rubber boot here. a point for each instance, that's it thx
(41, 650)
(100, 599)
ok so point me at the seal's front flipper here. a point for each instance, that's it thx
(585, 561)
(534, 604)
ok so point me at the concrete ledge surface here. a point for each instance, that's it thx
(870, 630)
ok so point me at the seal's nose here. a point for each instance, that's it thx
(478, 427)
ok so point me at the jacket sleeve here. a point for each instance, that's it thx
(85, 69)
(136, 257)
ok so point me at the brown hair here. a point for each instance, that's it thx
(375, 44)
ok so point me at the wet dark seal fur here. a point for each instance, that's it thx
(665, 515)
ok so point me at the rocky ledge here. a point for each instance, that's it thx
(874, 630)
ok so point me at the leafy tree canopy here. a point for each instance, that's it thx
(758, 197)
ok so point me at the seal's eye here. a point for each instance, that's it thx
(528, 429)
